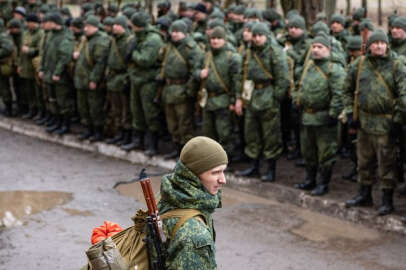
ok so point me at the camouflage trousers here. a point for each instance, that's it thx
(144, 112)
(179, 118)
(319, 146)
(60, 98)
(218, 126)
(262, 131)
(28, 93)
(118, 117)
(5, 90)
(380, 149)
(90, 106)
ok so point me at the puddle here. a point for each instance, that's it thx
(14, 205)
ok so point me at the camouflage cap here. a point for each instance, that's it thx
(359, 14)
(253, 13)
(93, 20)
(321, 16)
(366, 23)
(112, 8)
(140, 19)
(322, 38)
(121, 20)
(44, 8)
(214, 23)
(297, 21)
(56, 18)
(164, 23)
(20, 10)
(399, 22)
(201, 154)
(189, 23)
(66, 11)
(14, 23)
(33, 18)
(239, 10)
(200, 8)
(378, 35)
(179, 26)
(354, 43)
(338, 18)
(78, 22)
(291, 13)
(129, 12)
(108, 21)
(249, 25)
(261, 28)
(319, 27)
(217, 14)
(218, 32)
(271, 15)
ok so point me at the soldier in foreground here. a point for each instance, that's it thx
(194, 184)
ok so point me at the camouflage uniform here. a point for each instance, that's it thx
(193, 247)
(381, 101)
(6, 51)
(319, 98)
(90, 68)
(181, 60)
(6, 10)
(223, 89)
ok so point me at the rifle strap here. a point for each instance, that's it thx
(291, 64)
(245, 67)
(206, 65)
(183, 215)
(87, 53)
(382, 80)
(219, 78)
(261, 65)
(299, 91)
(356, 93)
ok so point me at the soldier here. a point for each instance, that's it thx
(200, 19)
(144, 56)
(221, 74)
(89, 77)
(357, 17)
(26, 70)
(6, 68)
(108, 25)
(319, 98)
(337, 26)
(268, 69)
(181, 60)
(54, 73)
(275, 19)
(378, 80)
(398, 42)
(119, 82)
(194, 184)
(6, 11)
(112, 10)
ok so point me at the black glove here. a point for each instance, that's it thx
(350, 121)
(331, 122)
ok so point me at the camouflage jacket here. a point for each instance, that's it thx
(145, 55)
(298, 48)
(6, 46)
(56, 55)
(32, 39)
(320, 91)
(342, 37)
(382, 91)
(6, 11)
(193, 246)
(180, 60)
(223, 87)
(398, 46)
(273, 61)
(92, 60)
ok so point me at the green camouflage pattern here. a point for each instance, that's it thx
(193, 246)
(6, 49)
(32, 39)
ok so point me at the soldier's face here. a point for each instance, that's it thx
(378, 48)
(355, 53)
(336, 27)
(177, 36)
(213, 179)
(90, 29)
(295, 32)
(217, 43)
(32, 25)
(247, 35)
(319, 51)
(199, 16)
(259, 40)
(118, 29)
(398, 33)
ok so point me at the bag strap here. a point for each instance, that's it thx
(87, 53)
(213, 66)
(183, 215)
(261, 65)
(245, 67)
(355, 106)
(382, 80)
(206, 65)
(299, 91)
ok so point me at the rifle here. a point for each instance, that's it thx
(156, 237)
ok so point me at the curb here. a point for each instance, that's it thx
(390, 223)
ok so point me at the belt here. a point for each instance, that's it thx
(179, 81)
(311, 110)
(262, 85)
(388, 115)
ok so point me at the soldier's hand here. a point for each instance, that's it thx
(238, 107)
(56, 78)
(92, 85)
(204, 73)
(75, 55)
(40, 74)
(25, 49)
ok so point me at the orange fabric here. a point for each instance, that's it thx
(104, 231)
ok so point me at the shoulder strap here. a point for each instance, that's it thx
(245, 67)
(213, 66)
(183, 215)
(87, 53)
(356, 93)
(261, 65)
(178, 54)
(306, 68)
(382, 80)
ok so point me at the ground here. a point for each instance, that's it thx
(68, 192)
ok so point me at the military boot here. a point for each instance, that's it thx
(363, 198)
(126, 138)
(175, 153)
(50, 121)
(56, 125)
(116, 138)
(351, 174)
(31, 113)
(137, 141)
(39, 115)
(322, 187)
(8, 110)
(387, 203)
(98, 134)
(310, 179)
(251, 171)
(43, 119)
(87, 133)
(65, 126)
(293, 154)
(270, 174)
(152, 147)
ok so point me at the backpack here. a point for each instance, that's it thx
(127, 249)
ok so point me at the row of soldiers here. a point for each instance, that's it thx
(259, 83)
